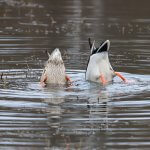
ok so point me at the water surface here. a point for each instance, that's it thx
(85, 115)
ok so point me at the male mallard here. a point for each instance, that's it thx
(54, 71)
(99, 68)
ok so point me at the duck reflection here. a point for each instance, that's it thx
(70, 115)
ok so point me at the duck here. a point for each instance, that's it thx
(99, 68)
(54, 71)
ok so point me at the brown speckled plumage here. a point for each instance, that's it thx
(54, 71)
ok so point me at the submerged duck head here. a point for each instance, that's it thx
(99, 68)
(54, 71)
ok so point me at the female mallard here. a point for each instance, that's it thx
(99, 68)
(54, 71)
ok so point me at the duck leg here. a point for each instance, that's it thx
(69, 82)
(102, 79)
(120, 76)
(68, 78)
(43, 80)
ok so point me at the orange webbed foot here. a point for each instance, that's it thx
(43, 81)
(103, 80)
(68, 80)
(120, 76)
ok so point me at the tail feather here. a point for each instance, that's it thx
(90, 43)
(102, 48)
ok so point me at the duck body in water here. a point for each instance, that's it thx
(54, 71)
(99, 68)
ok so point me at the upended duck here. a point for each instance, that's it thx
(54, 71)
(99, 68)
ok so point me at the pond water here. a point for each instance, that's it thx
(86, 115)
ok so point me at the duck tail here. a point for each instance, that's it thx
(90, 43)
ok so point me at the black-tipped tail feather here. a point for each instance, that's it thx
(102, 48)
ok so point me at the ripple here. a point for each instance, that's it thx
(85, 115)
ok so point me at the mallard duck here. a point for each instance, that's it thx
(54, 71)
(99, 68)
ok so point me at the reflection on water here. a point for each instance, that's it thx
(75, 116)
(85, 115)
